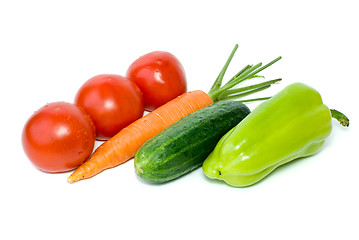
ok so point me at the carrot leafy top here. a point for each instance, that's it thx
(227, 91)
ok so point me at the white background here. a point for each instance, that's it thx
(49, 48)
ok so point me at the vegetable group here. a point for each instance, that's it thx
(126, 143)
(58, 137)
(184, 145)
(292, 124)
(183, 130)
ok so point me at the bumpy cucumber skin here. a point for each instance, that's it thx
(184, 145)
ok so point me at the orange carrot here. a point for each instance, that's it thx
(124, 145)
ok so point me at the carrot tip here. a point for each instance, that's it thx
(70, 179)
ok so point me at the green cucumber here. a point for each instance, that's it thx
(183, 146)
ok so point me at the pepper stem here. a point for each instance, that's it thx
(343, 120)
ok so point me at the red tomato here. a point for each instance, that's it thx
(160, 76)
(58, 137)
(112, 101)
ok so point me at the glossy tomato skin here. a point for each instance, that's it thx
(58, 137)
(160, 76)
(112, 101)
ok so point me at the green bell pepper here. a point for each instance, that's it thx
(293, 124)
